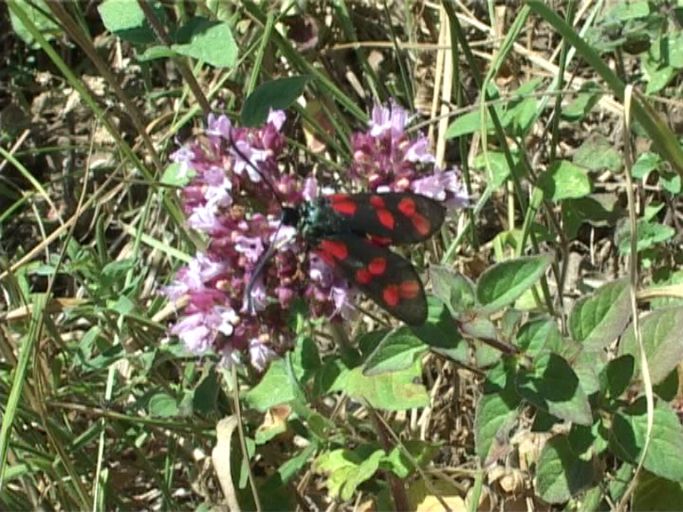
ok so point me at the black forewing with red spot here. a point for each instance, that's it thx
(384, 276)
(398, 217)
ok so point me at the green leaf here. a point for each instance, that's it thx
(645, 164)
(587, 365)
(366, 343)
(655, 493)
(649, 234)
(208, 41)
(588, 96)
(504, 282)
(597, 154)
(469, 123)
(453, 289)
(122, 305)
(174, 177)
(305, 358)
(668, 277)
(440, 334)
(538, 336)
(125, 19)
(275, 493)
(625, 11)
(661, 335)
(273, 95)
(330, 377)
(495, 415)
(662, 61)
(598, 319)
(34, 10)
(398, 462)
(658, 78)
(671, 182)
(582, 440)
(564, 180)
(616, 376)
(347, 469)
(675, 49)
(205, 394)
(553, 386)
(116, 271)
(398, 350)
(276, 387)
(500, 170)
(394, 391)
(668, 388)
(162, 405)
(663, 457)
(561, 473)
(596, 209)
(522, 107)
(154, 53)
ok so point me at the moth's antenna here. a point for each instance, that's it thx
(246, 159)
(248, 301)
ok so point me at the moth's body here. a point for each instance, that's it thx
(314, 220)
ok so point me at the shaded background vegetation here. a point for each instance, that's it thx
(102, 409)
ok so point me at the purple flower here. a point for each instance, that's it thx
(251, 247)
(253, 157)
(203, 218)
(419, 151)
(201, 270)
(310, 189)
(199, 330)
(260, 354)
(391, 120)
(330, 294)
(443, 186)
(277, 118)
(391, 160)
(218, 126)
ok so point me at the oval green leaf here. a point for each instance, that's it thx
(553, 386)
(598, 319)
(504, 282)
(208, 41)
(661, 335)
(561, 473)
(272, 95)
(564, 180)
(398, 350)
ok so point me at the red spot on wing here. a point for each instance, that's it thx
(421, 224)
(377, 266)
(391, 295)
(386, 218)
(363, 276)
(334, 248)
(326, 257)
(335, 198)
(407, 206)
(344, 206)
(380, 240)
(377, 202)
(409, 289)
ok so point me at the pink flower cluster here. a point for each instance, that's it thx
(228, 201)
(388, 159)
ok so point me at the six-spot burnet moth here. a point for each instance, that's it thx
(350, 232)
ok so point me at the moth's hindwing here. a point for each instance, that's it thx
(387, 278)
(396, 217)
